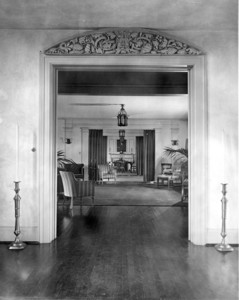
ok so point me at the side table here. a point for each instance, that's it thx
(162, 178)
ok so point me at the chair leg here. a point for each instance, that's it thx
(64, 199)
(182, 194)
(71, 204)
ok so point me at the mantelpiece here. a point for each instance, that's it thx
(124, 156)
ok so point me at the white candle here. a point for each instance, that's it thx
(17, 153)
(223, 157)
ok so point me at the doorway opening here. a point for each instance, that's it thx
(160, 108)
(151, 97)
(197, 132)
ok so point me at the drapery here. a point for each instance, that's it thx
(97, 151)
(149, 155)
(140, 155)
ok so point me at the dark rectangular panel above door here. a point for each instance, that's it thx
(122, 83)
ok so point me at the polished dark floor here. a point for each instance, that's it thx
(119, 253)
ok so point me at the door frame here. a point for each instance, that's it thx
(197, 123)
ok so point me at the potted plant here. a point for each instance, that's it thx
(180, 154)
(62, 161)
(66, 164)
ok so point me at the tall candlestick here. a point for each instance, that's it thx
(223, 247)
(17, 153)
(17, 244)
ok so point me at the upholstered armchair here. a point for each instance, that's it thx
(76, 169)
(106, 172)
(184, 172)
(76, 188)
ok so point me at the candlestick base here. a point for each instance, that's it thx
(224, 247)
(17, 245)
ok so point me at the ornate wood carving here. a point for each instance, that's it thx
(122, 42)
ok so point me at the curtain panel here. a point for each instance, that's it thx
(97, 151)
(140, 155)
(149, 155)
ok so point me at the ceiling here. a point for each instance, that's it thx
(91, 14)
(137, 107)
(98, 95)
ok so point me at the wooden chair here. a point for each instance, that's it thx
(106, 172)
(166, 168)
(169, 175)
(184, 191)
(166, 175)
(75, 188)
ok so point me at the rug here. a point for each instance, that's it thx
(133, 195)
(129, 178)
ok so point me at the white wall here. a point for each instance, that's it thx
(19, 102)
(68, 129)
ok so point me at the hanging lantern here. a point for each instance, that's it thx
(122, 117)
(121, 133)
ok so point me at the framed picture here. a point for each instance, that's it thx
(121, 146)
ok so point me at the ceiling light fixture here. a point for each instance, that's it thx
(122, 117)
(122, 133)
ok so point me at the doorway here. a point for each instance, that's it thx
(149, 96)
(197, 134)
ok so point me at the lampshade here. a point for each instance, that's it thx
(122, 117)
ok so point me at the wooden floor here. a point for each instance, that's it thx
(119, 253)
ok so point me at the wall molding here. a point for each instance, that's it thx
(122, 41)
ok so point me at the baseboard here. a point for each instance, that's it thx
(213, 245)
(30, 234)
(214, 236)
(32, 243)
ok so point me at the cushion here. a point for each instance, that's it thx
(167, 171)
